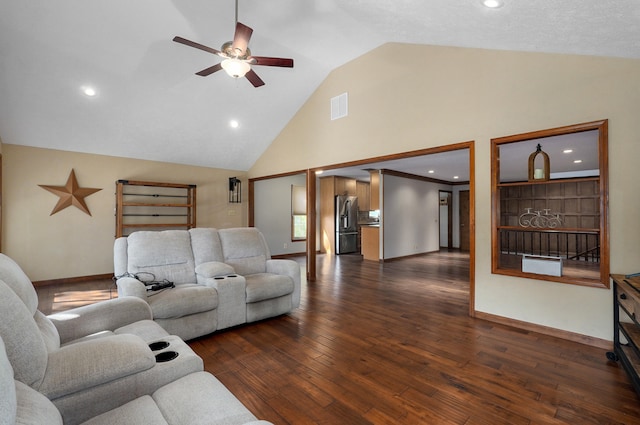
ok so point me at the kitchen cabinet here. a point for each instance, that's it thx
(362, 192)
(626, 328)
(374, 186)
(345, 186)
(370, 242)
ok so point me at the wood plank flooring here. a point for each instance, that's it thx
(392, 343)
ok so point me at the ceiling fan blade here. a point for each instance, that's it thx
(266, 61)
(210, 70)
(241, 38)
(254, 79)
(190, 43)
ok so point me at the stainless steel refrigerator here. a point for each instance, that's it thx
(346, 224)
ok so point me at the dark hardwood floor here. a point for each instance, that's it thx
(393, 343)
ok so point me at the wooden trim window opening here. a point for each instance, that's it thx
(561, 216)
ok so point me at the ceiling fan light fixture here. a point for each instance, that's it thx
(235, 68)
(492, 4)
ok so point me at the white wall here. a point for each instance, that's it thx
(272, 213)
(411, 210)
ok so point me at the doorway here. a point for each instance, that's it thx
(465, 244)
(397, 164)
(446, 219)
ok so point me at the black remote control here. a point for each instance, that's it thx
(159, 286)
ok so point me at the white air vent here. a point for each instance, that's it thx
(339, 106)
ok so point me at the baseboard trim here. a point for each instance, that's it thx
(78, 279)
(404, 257)
(546, 330)
(284, 256)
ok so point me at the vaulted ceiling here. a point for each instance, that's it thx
(149, 104)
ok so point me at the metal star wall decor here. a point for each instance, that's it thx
(70, 194)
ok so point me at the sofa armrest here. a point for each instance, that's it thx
(232, 309)
(287, 268)
(213, 269)
(105, 315)
(131, 287)
(87, 364)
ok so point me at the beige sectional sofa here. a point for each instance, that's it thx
(102, 363)
(221, 278)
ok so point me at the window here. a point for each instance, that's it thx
(298, 213)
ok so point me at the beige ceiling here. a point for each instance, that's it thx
(150, 105)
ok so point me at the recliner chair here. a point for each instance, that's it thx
(272, 285)
(222, 278)
(196, 399)
(96, 356)
(188, 310)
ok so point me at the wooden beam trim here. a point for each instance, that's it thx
(402, 174)
(545, 330)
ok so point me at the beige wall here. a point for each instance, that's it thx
(71, 243)
(408, 97)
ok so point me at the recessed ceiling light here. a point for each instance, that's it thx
(567, 151)
(234, 124)
(430, 171)
(456, 177)
(577, 161)
(89, 91)
(492, 4)
(318, 172)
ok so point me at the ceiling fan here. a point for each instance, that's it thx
(237, 56)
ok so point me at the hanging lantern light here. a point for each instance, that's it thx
(540, 172)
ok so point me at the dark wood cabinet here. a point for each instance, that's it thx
(626, 328)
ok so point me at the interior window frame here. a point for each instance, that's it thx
(602, 126)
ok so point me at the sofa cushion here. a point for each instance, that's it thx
(8, 403)
(265, 286)
(248, 265)
(161, 255)
(141, 411)
(183, 300)
(25, 347)
(205, 244)
(207, 402)
(17, 280)
(34, 408)
(48, 331)
(148, 330)
(245, 249)
(21, 404)
(214, 269)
